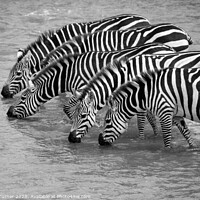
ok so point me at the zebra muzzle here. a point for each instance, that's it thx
(72, 137)
(5, 92)
(10, 112)
(102, 140)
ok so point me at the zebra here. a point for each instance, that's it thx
(106, 41)
(30, 57)
(83, 106)
(166, 93)
(166, 33)
(68, 73)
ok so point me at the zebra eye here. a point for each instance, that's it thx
(107, 120)
(23, 98)
(32, 89)
(83, 115)
(18, 73)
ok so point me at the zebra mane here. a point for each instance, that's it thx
(115, 64)
(41, 38)
(76, 39)
(49, 57)
(79, 38)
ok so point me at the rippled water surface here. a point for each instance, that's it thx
(36, 159)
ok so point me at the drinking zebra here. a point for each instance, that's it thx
(168, 34)
(28, 59)
(166, 93)
(71, 72)
(83, 106)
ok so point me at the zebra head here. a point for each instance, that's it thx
(19, 74)
(83, 113)
(27, 105)
(114, 123)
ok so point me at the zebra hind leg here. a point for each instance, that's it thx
(152, 120)
(183, 128)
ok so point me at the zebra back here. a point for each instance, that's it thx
(54, 38)
(168, 34)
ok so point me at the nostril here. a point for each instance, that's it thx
(190, 41)
(5, 92)
(72, 137)
(10, 111)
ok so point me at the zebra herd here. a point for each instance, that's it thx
(124, 62)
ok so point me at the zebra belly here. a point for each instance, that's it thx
(191, 112)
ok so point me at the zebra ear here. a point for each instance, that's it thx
(123, 62)
(90, 97)
(20, 53)
(111, 103)
(76, 93)
(70, 107)
(97, 124)
(34, 75)
(30, 84)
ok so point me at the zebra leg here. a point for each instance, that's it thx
(166, 126)
(141, 123)
(152, 120)
(183, 128)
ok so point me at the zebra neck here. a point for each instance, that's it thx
(68, 48)
(73, 30)
(55, 79)
(34, 65)
(100, 98)
(137, 95)
(103, 86)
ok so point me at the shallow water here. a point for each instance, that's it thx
(36, 159)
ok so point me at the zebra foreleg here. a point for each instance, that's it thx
(141, 123)
(183, 128)
(166, 126)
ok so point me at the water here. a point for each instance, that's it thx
(36, 159)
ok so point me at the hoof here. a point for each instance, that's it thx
(141, 137)
(192, 146)
(102, 142)
(73, 139)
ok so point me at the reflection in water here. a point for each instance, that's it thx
(35, 155)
